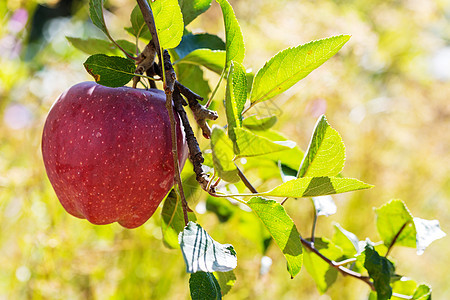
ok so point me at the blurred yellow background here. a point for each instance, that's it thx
(386, 92)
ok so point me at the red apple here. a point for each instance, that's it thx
(108, 152)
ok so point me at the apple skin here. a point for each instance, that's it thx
(108, 152)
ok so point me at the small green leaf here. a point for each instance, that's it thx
(222, 152)
(138, 25)
(221, 207)
(259, 124)
(96, 14)
(427, 232)
(191, 42)
(169, 22)
(423, 292)
(192, 9)
(93, 46)
(404, 286)
(234, 39)
(391, 217)
(324, 205)
(226, 281)
(191, 76)
(202, 253)
(282, 229)
(347, 240)
(253, 230)
(326, 152)
(210, 59)
(323, 274)
(316, 186)
(203, 286)
(291, 65)
(291, 158)
(250, 144)
(235, 97)
(112, 71)
(127, 46)
(286, 172)
(172, 220)
(380, 270)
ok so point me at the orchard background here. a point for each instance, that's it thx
(386, 92)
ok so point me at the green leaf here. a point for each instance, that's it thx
(202, 253)
(192, 9)
(221, 207)
(235, 97)
(112, 71)
(250, 144)
(391, 217)
(380, 270)
(291, 158)
(169, 22)
(127, 46)
(423, 292)
(316, 186)
(203, 286)
(191, 42)
(259, 124)
(286, 172)
(191, 76)
(93, 46)
(323, 274)
(226, 281)
(222, 152)
(404, 286)
(172, 220)
(289, 66)
(326, 152)
(347, 240)
(427, 232)
(234, 39)
(210, 59)
(96, 14)
(138, 25)
(324, 205)
(282, 229)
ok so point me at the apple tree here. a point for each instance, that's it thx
(114, 153)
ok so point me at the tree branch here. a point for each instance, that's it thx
(310, 246)
(150, 21)
(195, 153)
(395, 239)
(245, 180)
(169, 77)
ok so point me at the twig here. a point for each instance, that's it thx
(195, 153)
(216, 88)
(395, 239)
(340, 268)
(200, 112)
(245, 180)
(338, 265)
(313, 230)
(150, 21)
(169, 87)
(344, 262)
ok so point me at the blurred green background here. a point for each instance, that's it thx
(387, 93)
